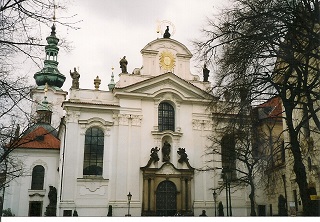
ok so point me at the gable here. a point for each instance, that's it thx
(158, 44)
(165, 83)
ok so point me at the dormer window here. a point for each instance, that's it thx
(40, 138)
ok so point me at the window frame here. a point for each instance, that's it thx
(166, 117)
(93, 152)
(37, 178)
(228, 153)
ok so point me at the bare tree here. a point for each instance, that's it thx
(268, 48)
(21, 22)
(236, 149)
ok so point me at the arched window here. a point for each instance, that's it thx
(37, 178)
(93, 151)
(228, 153)
(165, 117)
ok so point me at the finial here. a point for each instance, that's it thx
(112, 84)
(97, 83)
(54, 11)
(45, 89)
(158, 28)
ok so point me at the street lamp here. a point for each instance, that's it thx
(215, 202)
(129, 200)
(227, 176)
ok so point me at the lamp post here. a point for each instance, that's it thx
(129, 200)
(227, 176)
(215, 202)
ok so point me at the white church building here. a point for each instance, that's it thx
(146, 136)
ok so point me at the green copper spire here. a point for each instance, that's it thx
(44, 105)
(50, 73)
(112, 84)
(44, 112)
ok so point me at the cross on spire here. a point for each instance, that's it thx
(54, 11)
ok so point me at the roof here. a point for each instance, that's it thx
(89, 103)
(167, 75)
(39, 136)
(152, 43)
(271, 108)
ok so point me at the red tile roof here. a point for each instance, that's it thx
(40, 138)
(275, 106)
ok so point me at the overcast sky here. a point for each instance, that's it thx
(111, 29)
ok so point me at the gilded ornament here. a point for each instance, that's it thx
(167, 60)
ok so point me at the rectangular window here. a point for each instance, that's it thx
(35, 208)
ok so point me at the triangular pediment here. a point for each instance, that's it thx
(165, 83)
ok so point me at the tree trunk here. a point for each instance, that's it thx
(252, 205)
(298, 167)
(252, 194)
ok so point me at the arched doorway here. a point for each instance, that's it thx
(166, 199)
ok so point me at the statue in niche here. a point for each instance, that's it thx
(166, 33)
(123, 65)
(75, 79)
(205, 73)
(154, 154)
(183, 155)
(166, 152)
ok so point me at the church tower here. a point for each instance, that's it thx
(50, 75)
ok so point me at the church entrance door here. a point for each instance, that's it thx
(166, 199)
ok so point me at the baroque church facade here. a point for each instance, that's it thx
(146, 136)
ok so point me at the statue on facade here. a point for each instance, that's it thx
(123, 65)
(205, 73)
(51, 208)
(220, 209)
(52, 195)
(166, 152)
(109, 211)
(154, 154)
(203, 214)
(75, 79)
(166, 33)
(183, 155)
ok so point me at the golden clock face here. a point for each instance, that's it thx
(167, 60)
